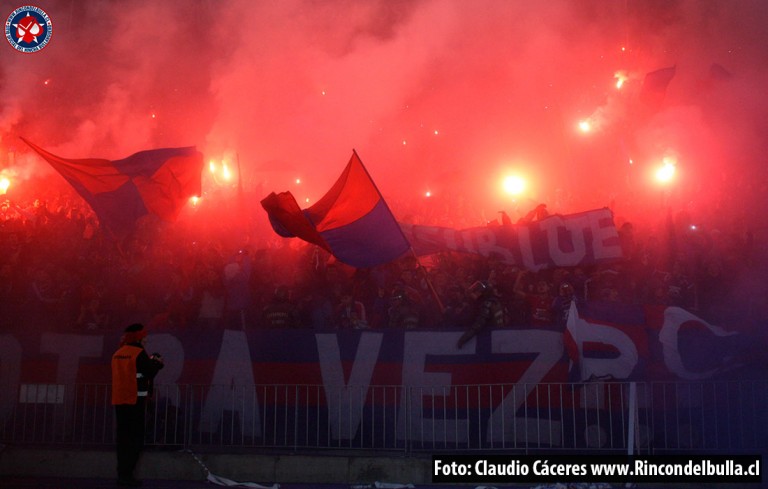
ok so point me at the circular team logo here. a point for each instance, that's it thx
(28, 29)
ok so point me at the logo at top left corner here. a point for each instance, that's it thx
(28, 29)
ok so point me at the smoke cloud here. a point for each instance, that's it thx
(445, 96)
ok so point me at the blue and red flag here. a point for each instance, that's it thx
(618, 340)
(352, 221)
(158, 182)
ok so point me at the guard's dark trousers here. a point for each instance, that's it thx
(129, 437)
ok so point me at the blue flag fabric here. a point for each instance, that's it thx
(157, 182)
(352, 221)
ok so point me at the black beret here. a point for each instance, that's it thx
(134, 327)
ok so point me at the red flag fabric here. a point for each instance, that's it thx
(157, 182)
(351, 221)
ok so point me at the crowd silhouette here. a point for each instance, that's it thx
(61, 271)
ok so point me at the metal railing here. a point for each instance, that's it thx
(644, 417)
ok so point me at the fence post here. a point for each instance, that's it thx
(408, 419)
(632, 418)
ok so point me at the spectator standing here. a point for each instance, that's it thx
(539, 301)
(458, 310)
(211, 291)
(92, 317)
(488, 311)
(561, 304)
(237, 275)
(350, 313)
(281, 312)
(403, 312)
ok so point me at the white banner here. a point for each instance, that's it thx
(557, 241)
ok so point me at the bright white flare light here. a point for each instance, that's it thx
(621, 77)
(514, 185)
(666, 171)
(585, 126)
(4, 184)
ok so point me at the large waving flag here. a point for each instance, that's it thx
(608, 342)
(692, 348)
(617, 340)
(158, 182)
(352, 221)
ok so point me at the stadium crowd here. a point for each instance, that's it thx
(61, 271)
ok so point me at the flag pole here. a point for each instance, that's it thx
(410, 247)
(241, 210)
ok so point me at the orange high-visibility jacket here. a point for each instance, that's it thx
(124, 382)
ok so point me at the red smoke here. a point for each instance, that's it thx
(440, 96)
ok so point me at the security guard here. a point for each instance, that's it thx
(133, 371)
